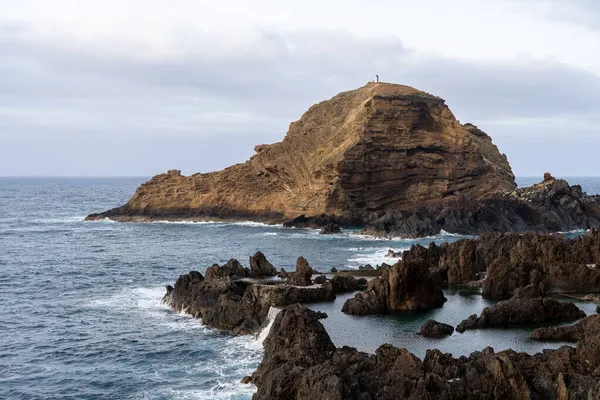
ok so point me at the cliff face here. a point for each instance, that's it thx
(379, 147)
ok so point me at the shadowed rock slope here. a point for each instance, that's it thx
(380, 147)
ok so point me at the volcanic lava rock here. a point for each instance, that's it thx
(319, 280)
(232, 269)
(303, 274)
(330, 229)
(522, 309)
(434, 329)
(237, 306)
(393, 254)
(573, 333)
(301, 362)
(511, 261)
(550, 206)
(260, 266)
(406, 286)
(401, 143)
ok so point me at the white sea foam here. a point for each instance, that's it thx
(216, 223)
(273, 311)
(374, 258)
(575, 231)
(66, 220)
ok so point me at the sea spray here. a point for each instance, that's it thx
(273, 311)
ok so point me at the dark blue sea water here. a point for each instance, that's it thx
(80, 301)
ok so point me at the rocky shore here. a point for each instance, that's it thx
(227, 299)
(503, 263)
(301, 362)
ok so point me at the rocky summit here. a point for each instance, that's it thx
(382, 147)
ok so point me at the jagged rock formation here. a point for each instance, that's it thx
(241, 305)
(574, 333)
(302, 363)
(406, 286)
(259, 267)
(549, 206)
(303, 274)
(434, 329)
(380, 147)
(522, 310)
(511, 261)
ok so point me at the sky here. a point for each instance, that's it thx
(137, 87)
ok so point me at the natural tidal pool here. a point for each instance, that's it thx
(81, 313)
(367, 333)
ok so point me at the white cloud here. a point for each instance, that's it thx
(110, 74)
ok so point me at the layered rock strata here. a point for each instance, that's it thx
(382, 147)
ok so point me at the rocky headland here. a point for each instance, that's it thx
(387, 157)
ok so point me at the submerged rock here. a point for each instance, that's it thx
(302, 363)
(434, 329)
(406, 286)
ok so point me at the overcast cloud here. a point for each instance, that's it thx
(139, 87)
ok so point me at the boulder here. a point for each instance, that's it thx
(334, 270)
(303, 274)
(320, 279)
(434, 329)
(406, 286)
(367, 267)
(330, 228)
(231, 269)
(260, 266)
(345, 283)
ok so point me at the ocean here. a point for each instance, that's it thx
(81, 313)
